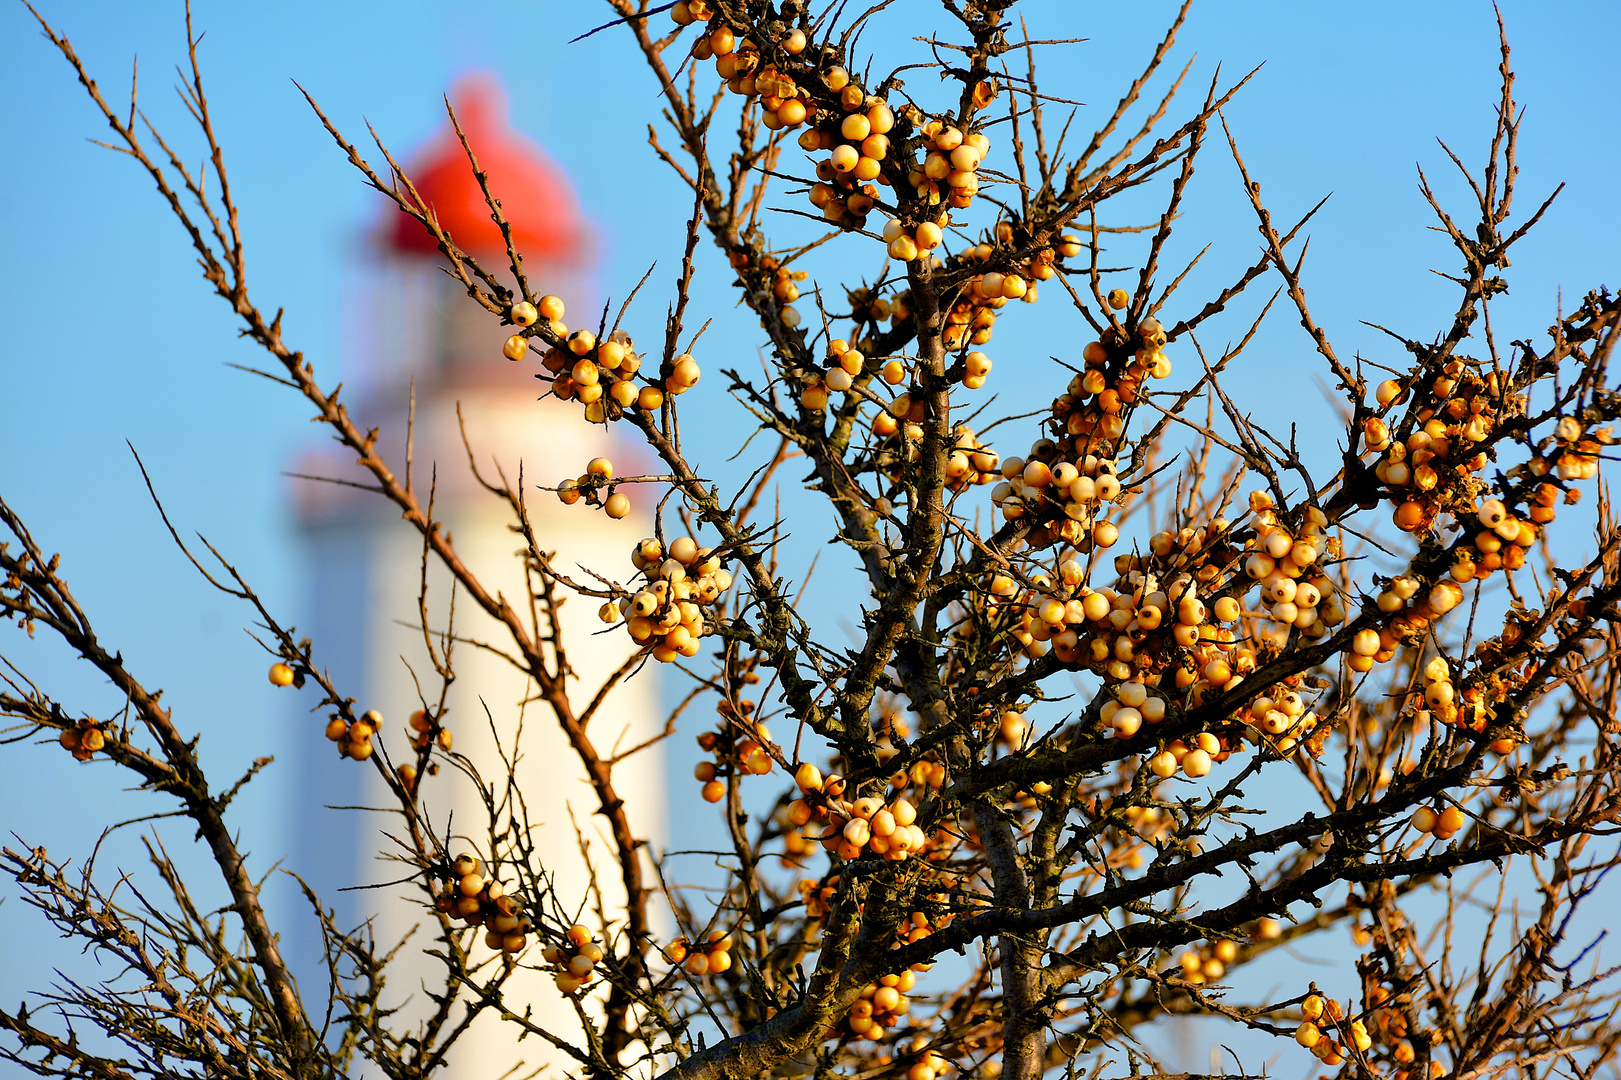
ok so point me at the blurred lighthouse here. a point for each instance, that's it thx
(411, 324)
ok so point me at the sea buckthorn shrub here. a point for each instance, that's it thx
(1130, 696)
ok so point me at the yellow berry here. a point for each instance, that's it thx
(683, 374)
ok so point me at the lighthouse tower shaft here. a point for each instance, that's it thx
(388, 619)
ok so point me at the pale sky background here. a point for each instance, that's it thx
(107, 332)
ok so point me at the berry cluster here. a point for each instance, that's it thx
(853, 126)
(1282, 716)
(1145, 628)
(1131, 707)
(949, 171)
(858, 142)
(818, 896)
(667, 614)
(1499, 540)
(1443, 824)
(1062, 500)
(478, 900)
(1431, 470)
(1451, 420)
(1090, 418)
(1389, 1027)
(734, 753)
(1287, 565)
(920, 924)
(870, 306)
(969, 462)
(1155, 642)
(971, 318)
(881, 1007)
(83, 739)
(428, 731)
(1442, 701)
(925, 775)
(602, 376)
(782, 103)
(1207, 963)
(595, 486)
(573, 960)
(713, 956)
(866, 824)
(910, 242)
(1324, 1047)
(927, 1064)
(1574, 453)
(1210, 553)
(525, 315)
(776, 282)
(354, 739)
(784, 282)
(737, 61)
(846, 365)
(1194, 760)
(1410, 622)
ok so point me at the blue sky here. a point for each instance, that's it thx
(108, 334)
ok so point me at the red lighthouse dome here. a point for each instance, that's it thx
(536, 198)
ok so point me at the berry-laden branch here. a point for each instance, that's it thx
(1119, 708)
(34, 593)
(224, 268)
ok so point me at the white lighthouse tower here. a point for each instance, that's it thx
(364, 570)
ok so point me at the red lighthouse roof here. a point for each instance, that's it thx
(537, 199)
